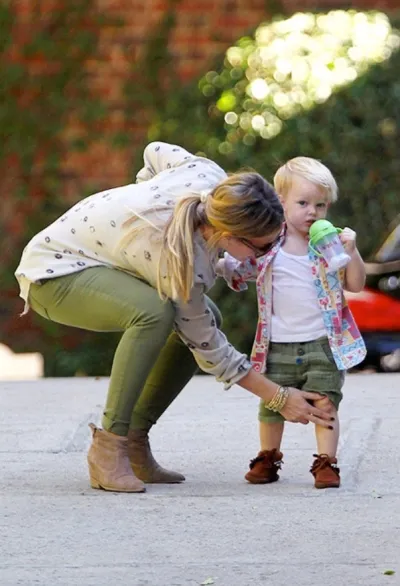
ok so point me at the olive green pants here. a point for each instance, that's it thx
(151, 364)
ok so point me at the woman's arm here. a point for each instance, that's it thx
(196, 326)
(159, 156)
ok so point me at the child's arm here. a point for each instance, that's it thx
(235, 272)
(354, 280)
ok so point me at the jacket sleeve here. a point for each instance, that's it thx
(235, 272)
(195, 324)
(159, 156)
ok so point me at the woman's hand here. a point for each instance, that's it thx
(298, 410)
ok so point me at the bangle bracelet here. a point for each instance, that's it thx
(278, 401)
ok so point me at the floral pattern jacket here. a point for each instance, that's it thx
(345, 340)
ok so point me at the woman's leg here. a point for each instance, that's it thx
(174, 368)
(103, 299)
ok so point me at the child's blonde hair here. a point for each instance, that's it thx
(310, 169)
(244, 205)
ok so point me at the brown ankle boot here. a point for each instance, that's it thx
(108, 461)
(264, 468)
(143, 463)
(325, 472)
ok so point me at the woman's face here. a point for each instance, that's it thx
(244, 248)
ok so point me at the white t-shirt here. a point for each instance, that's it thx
(296, 316)
(91, 232)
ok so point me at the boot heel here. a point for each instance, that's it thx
(142, 461)
(93, 482)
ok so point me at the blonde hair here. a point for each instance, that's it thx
(310, 169)
(244, 205)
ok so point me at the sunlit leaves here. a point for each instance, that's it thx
(290, 66)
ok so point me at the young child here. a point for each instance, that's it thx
(306, 336)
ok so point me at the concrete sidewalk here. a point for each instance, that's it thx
(215, 528)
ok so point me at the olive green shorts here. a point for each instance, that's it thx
(308, 366)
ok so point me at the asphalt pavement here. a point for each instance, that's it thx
(214, 528)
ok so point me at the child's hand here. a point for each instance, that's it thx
(238, 283)
(236, 272)
(348, 239)
(225, 268)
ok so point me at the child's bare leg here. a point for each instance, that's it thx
(271, 435)
(327, 439)
(326, 473)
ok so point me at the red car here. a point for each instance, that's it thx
(377, 308)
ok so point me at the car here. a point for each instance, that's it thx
(376, 309)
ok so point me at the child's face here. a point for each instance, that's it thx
(304, 204)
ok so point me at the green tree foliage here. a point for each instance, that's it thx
(45, 85)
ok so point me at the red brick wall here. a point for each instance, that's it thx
(204, 29)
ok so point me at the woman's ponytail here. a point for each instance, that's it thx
(178, 247)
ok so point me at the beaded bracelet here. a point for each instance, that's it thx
(278, 401)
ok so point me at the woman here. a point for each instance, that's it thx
(139, 259)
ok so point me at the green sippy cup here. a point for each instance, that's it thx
(325, 242)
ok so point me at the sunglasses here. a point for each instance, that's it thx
(257, 251)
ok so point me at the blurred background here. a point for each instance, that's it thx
(85, 84)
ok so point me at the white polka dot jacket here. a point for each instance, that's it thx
(95, 232)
